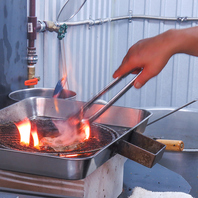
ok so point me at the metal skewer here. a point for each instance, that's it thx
(172, 112)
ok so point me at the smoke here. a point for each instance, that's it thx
(68, 138)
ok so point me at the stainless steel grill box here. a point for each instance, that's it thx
(127, 122)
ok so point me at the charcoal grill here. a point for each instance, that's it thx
(123, 125)
(100, 136)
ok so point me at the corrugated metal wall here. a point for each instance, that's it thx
(93, 53)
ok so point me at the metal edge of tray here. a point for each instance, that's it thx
(54, 166)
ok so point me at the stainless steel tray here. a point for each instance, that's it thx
(67, 168)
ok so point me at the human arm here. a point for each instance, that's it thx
(152, 54)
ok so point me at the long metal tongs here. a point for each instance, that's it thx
(87, 105)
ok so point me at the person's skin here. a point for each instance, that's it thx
(152, 54)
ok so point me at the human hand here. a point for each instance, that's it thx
(150, 55)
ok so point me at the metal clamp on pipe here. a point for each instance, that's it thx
(41, 26)
(32, 58)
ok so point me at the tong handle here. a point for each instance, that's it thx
(112, 101)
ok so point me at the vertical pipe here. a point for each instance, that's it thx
(32, 7)
(32, 28)
(32, 23)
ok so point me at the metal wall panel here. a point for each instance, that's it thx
(93, 53)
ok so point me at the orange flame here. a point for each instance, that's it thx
(87, 132)
(35, 138)
(24, 128)
(56, 105)
(60, 85)
(86, 129)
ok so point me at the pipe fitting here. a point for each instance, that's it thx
(31, 73)
(182, 19)
(41, 26)
(51, 26)
(130, 16)
(32, 59)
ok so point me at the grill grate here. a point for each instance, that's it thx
(100, 137)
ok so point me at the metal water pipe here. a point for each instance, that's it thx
(32, 58)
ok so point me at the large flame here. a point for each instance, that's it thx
(24, 128)
(68, 134)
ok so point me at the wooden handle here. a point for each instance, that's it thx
(172, 145)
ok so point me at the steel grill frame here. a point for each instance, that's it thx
(126, 121)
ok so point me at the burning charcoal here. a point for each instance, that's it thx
(48, 131)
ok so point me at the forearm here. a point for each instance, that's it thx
(152, 54)
(184, 40)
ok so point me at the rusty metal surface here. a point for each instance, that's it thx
(141, 149)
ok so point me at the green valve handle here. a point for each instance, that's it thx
(62, 31)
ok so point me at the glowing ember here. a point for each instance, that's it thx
(68, 155)
(24, 128)
(54, 136)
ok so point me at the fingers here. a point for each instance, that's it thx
(123, 69)
(120, 71)
(146, 74)
(142, 78)
(131, 63)
(145, 55)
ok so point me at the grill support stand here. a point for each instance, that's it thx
(105, 181)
